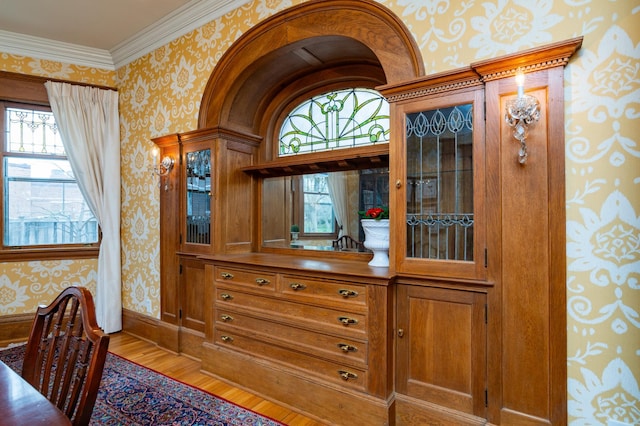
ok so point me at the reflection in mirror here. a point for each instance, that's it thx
(324, 206)
(198, 170)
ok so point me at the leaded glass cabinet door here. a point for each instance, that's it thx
(440, 191)
(197, 169)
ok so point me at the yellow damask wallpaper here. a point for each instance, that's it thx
(160, 94)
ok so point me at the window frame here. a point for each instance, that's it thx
(22, 91)
(298, 200)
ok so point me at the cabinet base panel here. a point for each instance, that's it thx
(510, 417)
(317, 400)
(411, 411)
(191, 343)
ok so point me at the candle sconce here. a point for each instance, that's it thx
(163, 168)
(522, 112)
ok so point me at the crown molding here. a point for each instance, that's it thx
(176, 24)
(42, 48)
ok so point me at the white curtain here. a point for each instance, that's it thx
(89, 126)
(337, 182)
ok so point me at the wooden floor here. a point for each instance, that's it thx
(187, 370)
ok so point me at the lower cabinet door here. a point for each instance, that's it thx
(192, 294)
(441, 347)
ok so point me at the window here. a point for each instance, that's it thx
(336, 120)
(316, 203)
(42, 204)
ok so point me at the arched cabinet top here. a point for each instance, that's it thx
(326, 41)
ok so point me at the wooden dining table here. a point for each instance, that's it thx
(22, 404)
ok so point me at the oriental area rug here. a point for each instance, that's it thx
(131, 394)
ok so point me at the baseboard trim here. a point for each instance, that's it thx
(139, 325)
(410, 410)
(166, 336)
(15, 328)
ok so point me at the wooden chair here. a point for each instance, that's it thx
(66, 352)
(347, 242)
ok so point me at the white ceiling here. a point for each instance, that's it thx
(106, 34)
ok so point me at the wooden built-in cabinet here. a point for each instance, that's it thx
(479, 245)
(467, 325)
(199, 215)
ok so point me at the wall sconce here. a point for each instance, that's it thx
(163, 167)
(521, 112)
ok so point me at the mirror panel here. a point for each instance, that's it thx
(295, 201)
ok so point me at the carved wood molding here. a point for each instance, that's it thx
(436, 83)
(536, 59)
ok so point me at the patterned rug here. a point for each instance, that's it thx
(131, 394)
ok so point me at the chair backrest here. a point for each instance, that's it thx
(347, 242)
(66, 352)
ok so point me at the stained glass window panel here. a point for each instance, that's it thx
(335, 120)
(440, 183)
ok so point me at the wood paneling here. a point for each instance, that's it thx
(191, 294)
(530, 275)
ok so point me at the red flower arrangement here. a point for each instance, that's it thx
(375, 213)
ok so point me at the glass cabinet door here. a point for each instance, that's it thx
(443, 182)
(198, 197)
(440, 183)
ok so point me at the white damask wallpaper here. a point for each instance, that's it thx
(160, 94)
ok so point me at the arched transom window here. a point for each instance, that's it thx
(334, 120)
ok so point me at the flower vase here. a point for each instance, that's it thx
(376, 239)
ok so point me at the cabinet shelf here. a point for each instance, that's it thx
(369, 157)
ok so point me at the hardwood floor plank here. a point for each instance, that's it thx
(187, 370)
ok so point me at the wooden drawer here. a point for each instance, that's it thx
(327, 292)
(337, 348)
(318, 318)
(246, 278)
(308, 365)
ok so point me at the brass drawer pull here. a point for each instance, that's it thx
(346, 375)
(226, 296)
(347, 293)
(226, 318)
(226, 275)
(347, 320)
(297, 286)
(227, 339)
(262, 281)
(347, 348)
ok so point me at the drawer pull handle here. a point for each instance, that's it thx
(226, 275)
(226, 318)
(297, 286)
(347, 320)
(227, 339)
(346, 375)
(347, 348)
(262, 281)
(347, 293)
(226, 296)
